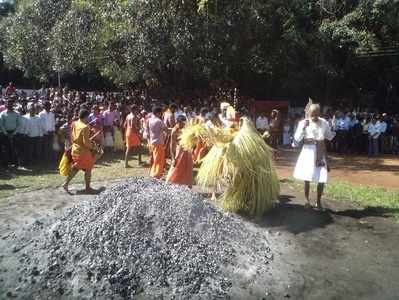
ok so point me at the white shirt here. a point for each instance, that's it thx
(209, 124)
(224, 121)
(35, 126)
(48, 119)
(23, 127)
(179, 113)
(381, 126)
(262, 123)
(189, 115)
(354, 122)
(373, 131)
(318, 131)
(342, 123)
(209, 116)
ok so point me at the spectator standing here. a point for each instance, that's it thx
(365, 133)
(48, 119)
(262, 123)
(384, 137)
(275, 128)
(65, 133)
(355, 135)
(188, 113)
(287, 134)
(22, 142)
(36, 129)
(342, 125)
(373, 138)
(2, 106)
(42, 91)
(10, 90)
(110, 117)
(395, 135)
(96, 124)
(10, 122)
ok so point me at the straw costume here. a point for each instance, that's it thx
(240, 163)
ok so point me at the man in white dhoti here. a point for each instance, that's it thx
(312, 164)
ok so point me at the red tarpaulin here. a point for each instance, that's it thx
(267, 106)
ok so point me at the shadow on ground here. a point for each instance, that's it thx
(289, 214)
(94, 192)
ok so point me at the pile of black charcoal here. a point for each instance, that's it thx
(144, 239)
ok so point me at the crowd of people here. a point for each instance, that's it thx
(357, 132)
(36, 129)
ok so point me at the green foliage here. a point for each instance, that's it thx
(292, 47)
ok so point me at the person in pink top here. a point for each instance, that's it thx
(156, 132)
(110, 118)
(2, 105)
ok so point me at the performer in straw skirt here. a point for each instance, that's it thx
(312, 164)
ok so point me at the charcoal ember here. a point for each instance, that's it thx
(149, 239)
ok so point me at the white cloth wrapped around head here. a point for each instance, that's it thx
(224, 105)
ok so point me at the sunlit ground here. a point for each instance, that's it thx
(364, 190)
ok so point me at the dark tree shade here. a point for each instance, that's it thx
(346, 50)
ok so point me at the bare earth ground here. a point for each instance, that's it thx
(381, 172)
(346, 253)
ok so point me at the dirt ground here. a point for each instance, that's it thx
(346, 253)
(381, 172)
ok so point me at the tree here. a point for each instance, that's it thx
(271, 48)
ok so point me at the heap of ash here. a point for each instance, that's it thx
(145, 239)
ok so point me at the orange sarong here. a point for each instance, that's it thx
(132, 139)
(182, 172)
(84, 161)
(158, 160)
(199, 151)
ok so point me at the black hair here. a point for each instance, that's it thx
(181, 118)
(134, 108)
(203, 111)
(156, 110)
(84, 113)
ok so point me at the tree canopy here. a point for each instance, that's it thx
(325, 48)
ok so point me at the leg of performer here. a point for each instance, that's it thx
(71, 175)
(213, 197)
(139, 156)
(320, 190)
(307, 190)
(88, 181)
(127, 157)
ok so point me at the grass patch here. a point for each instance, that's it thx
(110, 167)
(366, 196)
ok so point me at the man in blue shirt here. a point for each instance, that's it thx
(342, 126)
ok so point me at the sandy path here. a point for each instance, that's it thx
(346, 253)
(381, 172)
